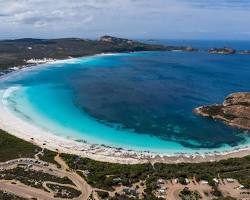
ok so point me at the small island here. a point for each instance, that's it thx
(245, 52)
(225, 50)
(234, 111)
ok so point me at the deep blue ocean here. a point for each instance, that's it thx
(142, 101)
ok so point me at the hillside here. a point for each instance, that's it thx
(17, 52)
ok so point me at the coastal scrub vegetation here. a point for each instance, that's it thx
(225, 198)
(32, 178)
(12, 147)
(237, 168)
(8, 196)
(103, 175)
(48, 156)
(64, 191)
(187, 194)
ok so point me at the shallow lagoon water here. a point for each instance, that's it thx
(140, 101)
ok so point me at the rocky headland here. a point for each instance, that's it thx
(234, 111)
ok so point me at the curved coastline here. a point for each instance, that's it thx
(49, 64)
(29, 132)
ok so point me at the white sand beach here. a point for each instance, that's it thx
(29, 132)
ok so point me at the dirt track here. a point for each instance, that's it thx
(28, 192)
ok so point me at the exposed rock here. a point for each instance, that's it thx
(111, 39)
(245, 52)
(235, 110)
(240, 98)
(222, 51)
(190, 49)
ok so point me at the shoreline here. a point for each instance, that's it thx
(7, 72)
(12, 69)
(29, 132)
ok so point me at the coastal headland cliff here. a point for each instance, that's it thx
(234, 111)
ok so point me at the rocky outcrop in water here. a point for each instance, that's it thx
(222, 51)
(190, 49)
(245, 52)
(235, 110)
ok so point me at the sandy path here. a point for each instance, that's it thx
(174, 190)
(19, 189)
(232, 189)
(173, 193)
(61, 162)
(25, 191)
(39, 154)
(80, 183)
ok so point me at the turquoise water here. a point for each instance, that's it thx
(140, 101)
